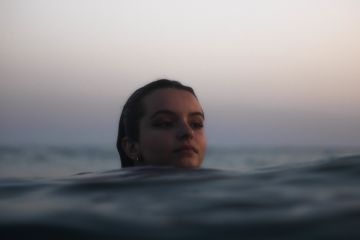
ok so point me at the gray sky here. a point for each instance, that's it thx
(267, 72)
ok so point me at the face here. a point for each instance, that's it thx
(172, 129)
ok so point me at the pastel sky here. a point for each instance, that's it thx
(267, 72)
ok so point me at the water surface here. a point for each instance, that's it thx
(240, 193)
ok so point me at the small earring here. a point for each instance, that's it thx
(138, 159)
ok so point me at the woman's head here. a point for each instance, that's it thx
(162, 124)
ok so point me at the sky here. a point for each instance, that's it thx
(267, 72)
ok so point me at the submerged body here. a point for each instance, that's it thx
(269, 194)
(316, 201)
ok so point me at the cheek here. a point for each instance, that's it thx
(205, 142)
(155, 141)
(201, 138)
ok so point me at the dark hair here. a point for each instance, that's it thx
(134, 110)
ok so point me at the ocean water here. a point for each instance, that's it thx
(239, 193)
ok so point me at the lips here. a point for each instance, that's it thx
(186, 148)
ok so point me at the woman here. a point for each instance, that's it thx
(162, 124)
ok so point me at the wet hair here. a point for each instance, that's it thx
(134, 110)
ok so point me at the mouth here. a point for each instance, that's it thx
(186, 149)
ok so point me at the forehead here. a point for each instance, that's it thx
(176, 100)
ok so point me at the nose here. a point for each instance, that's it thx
(185, 132)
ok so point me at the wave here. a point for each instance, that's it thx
(317, 200)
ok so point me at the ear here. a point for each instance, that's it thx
(131, 148)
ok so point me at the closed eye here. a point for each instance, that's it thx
(197, 125)
(164, 124)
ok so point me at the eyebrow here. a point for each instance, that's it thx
(168, 112)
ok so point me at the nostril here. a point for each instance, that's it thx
(185, 132)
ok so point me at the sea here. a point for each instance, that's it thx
(60, 192)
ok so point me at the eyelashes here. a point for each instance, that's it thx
(197, 125)
(164, 124)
